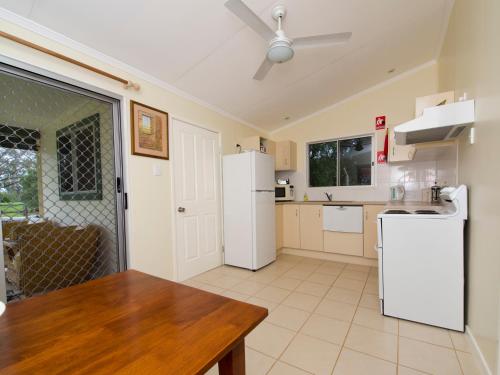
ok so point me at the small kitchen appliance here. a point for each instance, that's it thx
(397, 192)
(283, 192)
(435, 193)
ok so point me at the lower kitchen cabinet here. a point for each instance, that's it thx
(370, 229)
(343, 243)
(311, 227)
(279, 226)
(291, 226)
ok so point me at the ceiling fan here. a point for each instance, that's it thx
(281, 48)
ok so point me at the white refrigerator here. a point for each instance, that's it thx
(249, 213)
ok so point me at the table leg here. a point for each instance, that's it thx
(234, 361)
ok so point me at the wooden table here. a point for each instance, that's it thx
(126, 323)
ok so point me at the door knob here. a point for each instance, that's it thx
(181, 209)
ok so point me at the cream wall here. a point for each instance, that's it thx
(149, 218)
(356, 116)
(470, 62)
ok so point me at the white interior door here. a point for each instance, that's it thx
(197, 199)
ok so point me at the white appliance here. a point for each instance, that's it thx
(249, 213)
(397, 192)
(347, 219)
(421, 261)
(436, 124)
(283, 193)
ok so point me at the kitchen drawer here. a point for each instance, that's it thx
(347, 219)
(343, 243)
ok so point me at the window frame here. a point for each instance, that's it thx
(372, 168)
(94, 123)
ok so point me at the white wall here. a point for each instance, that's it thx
(356, 116)
(149, 218)
(470, 62)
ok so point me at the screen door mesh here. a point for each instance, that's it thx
(57, 187)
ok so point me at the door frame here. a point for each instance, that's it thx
(23, 70)
(175, 257)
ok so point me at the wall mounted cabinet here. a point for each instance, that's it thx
(286, 156)
(259, 144)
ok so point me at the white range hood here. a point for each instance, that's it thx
(438, 123)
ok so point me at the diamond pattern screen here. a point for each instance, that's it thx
(57, 187)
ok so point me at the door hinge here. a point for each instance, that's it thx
(125, 201)
(222, 247)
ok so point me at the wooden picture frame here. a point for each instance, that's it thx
(149, 131)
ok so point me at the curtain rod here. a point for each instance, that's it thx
(126, 83)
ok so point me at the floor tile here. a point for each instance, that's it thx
(358, 268)
(273, 294)
(257, 363)
(235, 295)
(311, 354)
(287, 283)
(281, 368)
(343, 295)
(314, 289)
(208, 276)
(355, 275)
(297, 274)
(373, 319)
(409, 371)
(302, 301)
(427, 357)
(193, 283)
(288, 317)
(355, 363)
(322, 278)
(468, 364)
(321, 327)
(371, 288)
(423, 332)
(264, 278)
(460, 341)
(240, 273)
(262, 303)
(336, 310)
(376, 343)
(249, 287)
(349, 284)
(269, 339)
(370, 301)
(225, 282)
(306, 267)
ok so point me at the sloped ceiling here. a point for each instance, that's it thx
(201, 48)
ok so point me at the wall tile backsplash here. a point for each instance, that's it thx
(416, 176)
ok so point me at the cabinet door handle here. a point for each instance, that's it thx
(366, 215)
(296, 212)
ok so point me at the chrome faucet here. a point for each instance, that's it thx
(329, 196)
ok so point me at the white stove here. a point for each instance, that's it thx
(421, 260)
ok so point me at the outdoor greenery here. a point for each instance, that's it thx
(345, 162)
(18, 181)
(323, 164)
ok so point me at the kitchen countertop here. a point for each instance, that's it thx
(335, 203)
(391, 204)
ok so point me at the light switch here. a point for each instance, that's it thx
(156, 170)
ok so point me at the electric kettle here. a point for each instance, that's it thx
(397, 193)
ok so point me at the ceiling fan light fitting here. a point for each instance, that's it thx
(280, 51)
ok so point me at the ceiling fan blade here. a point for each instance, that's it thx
(245, 14)
(264, 68)
(321, 40)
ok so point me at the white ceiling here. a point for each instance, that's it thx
(201, 48)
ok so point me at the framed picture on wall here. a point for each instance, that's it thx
(149, 131)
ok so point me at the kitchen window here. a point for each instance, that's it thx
(341, 162)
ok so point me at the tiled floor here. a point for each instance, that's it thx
(324, 319)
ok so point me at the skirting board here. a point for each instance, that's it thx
(329, 256)
(478, 354)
